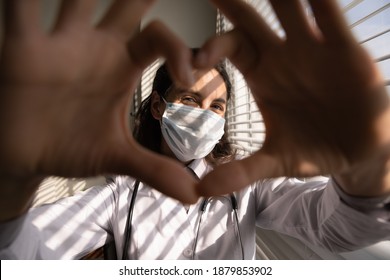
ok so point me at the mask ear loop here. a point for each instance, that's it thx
(166, 93)
(166, 105)
(163, 99)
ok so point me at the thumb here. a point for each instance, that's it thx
(162, 173)
(239, 174)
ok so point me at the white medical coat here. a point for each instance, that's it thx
(163, 229)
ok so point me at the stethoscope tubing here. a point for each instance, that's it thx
(125, 252)
(202, 209)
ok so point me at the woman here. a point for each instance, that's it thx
(188, 124)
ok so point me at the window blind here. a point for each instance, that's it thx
(370, 22)
(245, 124)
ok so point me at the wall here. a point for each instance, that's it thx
(192, 20)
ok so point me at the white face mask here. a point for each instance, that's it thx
(191, 133)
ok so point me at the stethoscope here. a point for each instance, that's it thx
(202, 209)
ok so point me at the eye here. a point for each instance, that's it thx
(189, 100)
(218, 108)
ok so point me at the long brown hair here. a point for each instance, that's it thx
(147, 130)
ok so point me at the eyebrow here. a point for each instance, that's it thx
(182, 90)
(222, 100)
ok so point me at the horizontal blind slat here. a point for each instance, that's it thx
(370, 15)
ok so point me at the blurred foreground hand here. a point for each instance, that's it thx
(65, 97)
(323, 101)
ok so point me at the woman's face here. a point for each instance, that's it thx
(209, 92)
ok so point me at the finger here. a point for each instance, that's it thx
(331, 21)
(216, 48)
(22, 17)
(155, 41)
(165, 175)
(293, 18)
(253, 25)
(75, 13)
(124, 16)
(238, 174)
(101, 10)
(233, 45)
(49, 15)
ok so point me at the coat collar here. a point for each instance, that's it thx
(200, 167)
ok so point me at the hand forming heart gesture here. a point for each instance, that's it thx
(65, 98)
(323, 101)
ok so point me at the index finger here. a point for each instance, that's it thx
(331, 21)
(124, 16)
(253, 25)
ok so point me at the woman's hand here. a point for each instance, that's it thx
(65, 96)
(323, 101)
